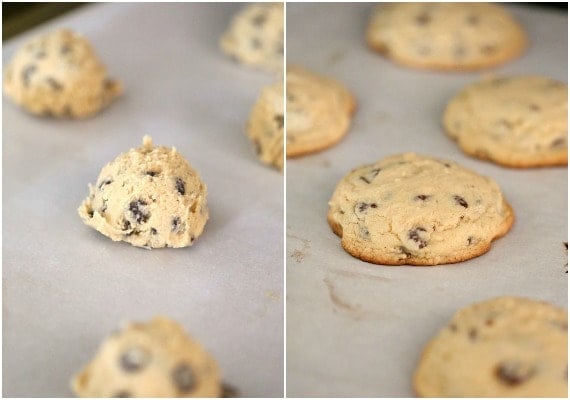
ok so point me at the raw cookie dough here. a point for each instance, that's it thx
(154, 359)
(504, 347)
(58, 74)
(446, 36)
(518, 122)
(319, 112)
(417, 210)
(255, 36)
(265, 126)
(150, 197)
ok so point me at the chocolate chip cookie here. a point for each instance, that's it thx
(518, 121)
(504, 347)
(149, 197)
(446, 36)
(417, 210)
(58, 74)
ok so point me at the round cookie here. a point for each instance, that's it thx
(319, 112)
(517, 122)
(154, 359)
(446, 36)
(255, 36)
(265, 126)
(58, 74)
(149, 197)
(504, 347)
(417, 210)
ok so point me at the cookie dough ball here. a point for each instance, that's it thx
(265, 126)
(149, 197)
(417, 210)
(255, 36)
(319, 111)
(59, 75)
(517, 122)
(446, 36)
(154, 359)
(504, 347)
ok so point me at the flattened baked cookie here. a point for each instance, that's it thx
(319, 111)
(265, 126)
(149, 197)
(504, 347)
(417, 210)
(255, 36)
(518, 122)
(446, 36)
(59, 75)
(154, 359)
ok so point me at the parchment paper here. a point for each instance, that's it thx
(65, 286)
(356, 329)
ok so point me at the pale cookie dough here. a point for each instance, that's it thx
(504, 347)
(517, 122)
(58, 74)
(255, 36)
(149, 197)
(265, 126)
(319, 112)
(417, 210)
(446, 36)
(154, 359)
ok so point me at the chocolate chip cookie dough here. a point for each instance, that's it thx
(58, 74)
(149, 197)
(154, 359)
(503, 347)
(417, 210)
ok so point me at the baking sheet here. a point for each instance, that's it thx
(65, 286)
(356, 329)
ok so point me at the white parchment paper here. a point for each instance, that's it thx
(356, 329)
(65, 286)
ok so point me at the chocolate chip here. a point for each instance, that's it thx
(55, 85)
(470, 240)
(122, 394)
(405, 251)
(27, 73)
(134, 359)
(461, 201)
(473, 334)
(279, 120)
(452, 327)
(126, 225)
(369, 177)
(514, 373)
(90, 213)
(65, 49)
(258, 20)
(152, 173)
(422, 197)
(423, 19)
(137, 209)
(105, 182)
(472, 19)
(414, 234)
(558, 142)
(176, 225)
(183, 378)
(153, 231)
(180, 186)
(534, 107)
(361, 207)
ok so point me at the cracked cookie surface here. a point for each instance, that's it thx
(255, 36)
(503, 347)
(154, 359)
(149, 197)
(265, 126)
(319, 111)
(417, 210)
(446, 36)
(516, 121)
(58, 74)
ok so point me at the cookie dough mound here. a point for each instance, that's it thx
(319, 112)
(149, 197)
(504, 347)
(59, 75)
(154, 359)
(255, 36)
(517, 122)
(446, 36)
(417, 210)
(265, 126)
